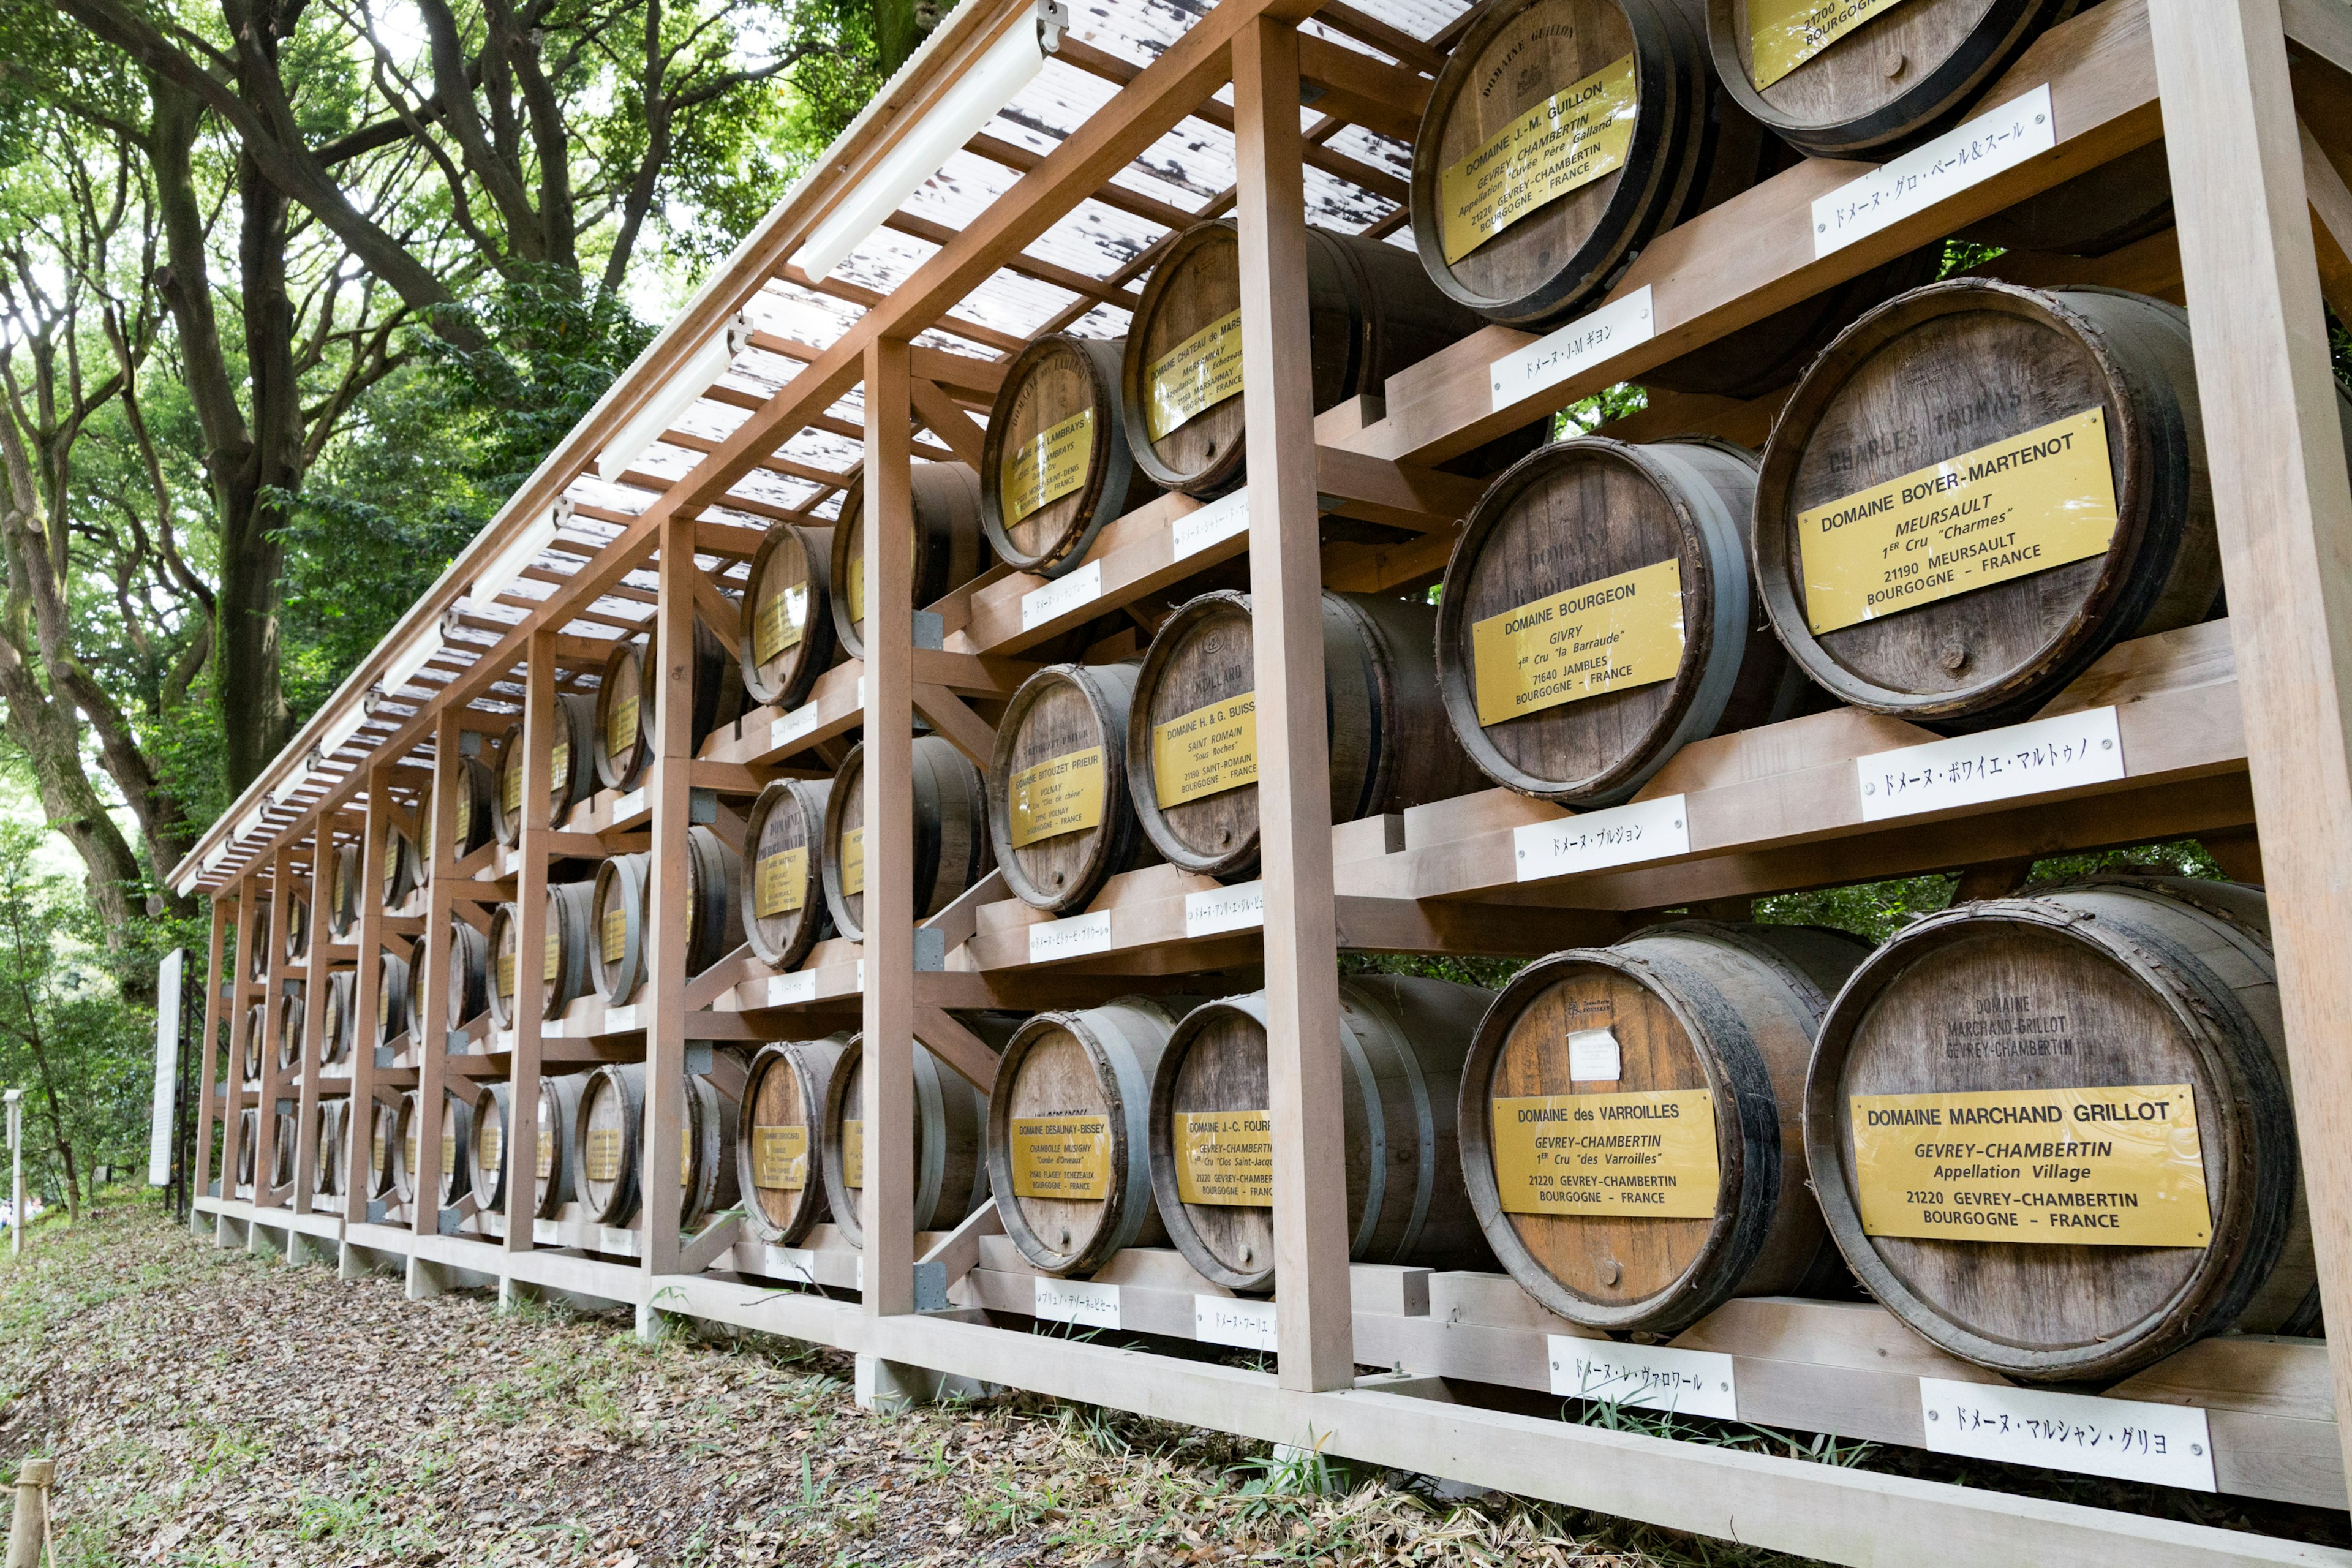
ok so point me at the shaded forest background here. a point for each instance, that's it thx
(293, 293)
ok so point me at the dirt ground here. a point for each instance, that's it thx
(209, 1408)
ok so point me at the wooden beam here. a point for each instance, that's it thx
(540, 720)
(948, 421)
(2284, 507)
(1354, 87)
(971, 734)
(1302, 996)
(2331, 224)
(957, 1046)
(208, 1076)
(662, 1002)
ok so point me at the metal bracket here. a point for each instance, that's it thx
(930, 1287)
(384, 1055)
(698, 1056)
(930, 629)
(702, 806)
(451, 1222)
(378, 1211)
(931, 949)
(1052, 21)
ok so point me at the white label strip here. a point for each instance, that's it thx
(1219, 520)
(1079, 1301)
(1595, 336)
(861, 977)
(1985, 146)
(785, 990)
(800, 721)
(798, 1262)
(1233, 1321)
(1594, 840)
(551, 1030)
(1238, 908)
(861, 1274)
(504, 1040)
(2123, 1439)
(617, 1019)
(628, 806)
(1061, 595)
(1650, 1377)
(1594, 1056)
(508, 860)
(1071, 938)
(2033, 758)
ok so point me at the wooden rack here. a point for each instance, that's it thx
(2228, 728)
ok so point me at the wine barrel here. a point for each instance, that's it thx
(1192, 746)
(384, 1143)
(404, 1152)
(343, 891)
(457, 1138)
(788, 634)
(2033, 465)
(290, 1011)
(783, 1108)
(1879, 79)
(338, 1026)
(1596, 618)
(949, 547)
(571, 765)
(466, 973)
(623, 902)
(1055, 466)
(330, 1156)
(254, 1017)
(1069, 1151)
(297, 928)
(625, 734)
(1683, 1050)
(1370, 313)
(248, 1138)
(558, 1151)
(1563, 136)
(2093, 214)
(2055, 1135)
(566, 968)
(399, 866)
(785, 911)
(950, 1140)
(611, 1120)
(952, 844)
(1059, 814)
(475, 805)
(1404, 1040)
(486, 1151)
(256, 961)
(282, 1152)
(394, 1012)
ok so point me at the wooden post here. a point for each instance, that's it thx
(2284, 511)
(367, 989)
(238, 995)
(887, 1058)
(428, 992)
(540, 715)
(273, 986)
(207, 1068)
(663, 1003)
(315, 973)
(28, 1526)
(1314, 1328)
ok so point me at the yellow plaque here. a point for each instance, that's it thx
(1610, 635)
(553, 965)
(2111, 1167)
(1649, 1153)
(686, 1155)
(507, 973)
(1784, 33)
(1225, 1157)
(1060, 794)
(1570, 139)
(2009, 510)
(621, 726)
(409, 1152)
(780, 882)
(465, 817)
(1194, 376)
(1049, 466)
(780, 1158)
(1065, 1156)
(1206, 751)
(510, 784)
(853, 1153)
(853, 861)
(382, 1003)
(543, 1160)
(489, 1142)
(778, 625)
(604, 1154)
(379, 1148)
(616, 934)
(448, 1156)
(857, 578)
(559, 767)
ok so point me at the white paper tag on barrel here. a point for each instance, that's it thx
(1648, 1378)
(1060, 596)
(1991, 143)
(2122, 1439)
(1596, 335)
(1233, 1321)
(1219, 521)
(1079, 1301)
(1071, 938)
(1220, 909)
(2033, 758)
(1596, 840)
